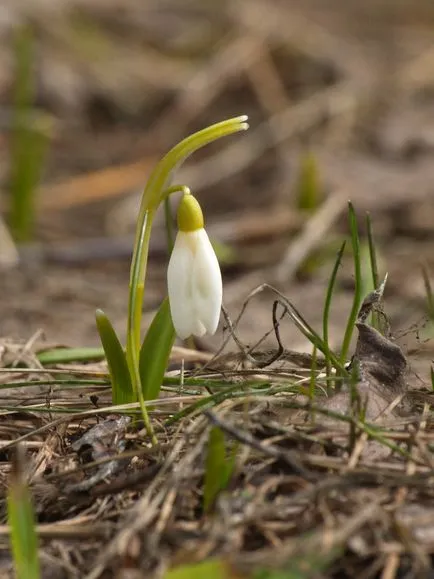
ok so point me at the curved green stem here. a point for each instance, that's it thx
(154, 193)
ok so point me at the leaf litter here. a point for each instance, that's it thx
(330, 486)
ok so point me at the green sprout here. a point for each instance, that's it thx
(30, 133)
(22, 522)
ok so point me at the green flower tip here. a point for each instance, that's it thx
(190, 216)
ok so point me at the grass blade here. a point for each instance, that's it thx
(428, 291)
(308, 188)
(22, 524)
(312, 381)
(357, 300)
(327, 305)
(29, 141)
(122, 390)
(372, 252)
(67, 355)
(155, 352)
(211, 569)
(218, 469)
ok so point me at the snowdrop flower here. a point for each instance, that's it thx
(193, 276)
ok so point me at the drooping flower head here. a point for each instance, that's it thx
(193, 276)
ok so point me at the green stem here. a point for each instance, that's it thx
(151, 198)
(155, 192)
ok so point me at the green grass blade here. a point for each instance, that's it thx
(372, 252)
(211, 569)
(29, 140)
(327, 305)
(312, 381)
(67, 355)
(428, 291)
(155, 352)
(357, 300)
(370, 272)
(122, 390)
(308, 188)
(22, 524)
(216, 476)
(207, 402)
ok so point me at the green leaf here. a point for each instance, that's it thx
(308, 188)
(218, 469)
(21, 520)
(122, 390)
(29, 140)
(358, 283)
(211, 569)
(372, 252)
(155, 352)
(428, 291)
(66, 355)
(326, 313)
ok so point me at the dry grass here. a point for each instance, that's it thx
(332, 487)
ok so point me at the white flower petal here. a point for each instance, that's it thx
(207, 287)
(180, 289)
(194, 285)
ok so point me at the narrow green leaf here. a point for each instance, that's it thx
(216, 468)
(308, 189)
(428, 291)
(21, 521)
(29, 140)
(122, 390)
(211, 569)
(326, 312)
(307, 565)
(206, 402)
(155, 352)
(312, 381)
(65, 355)
(357, 299)
(372, 252)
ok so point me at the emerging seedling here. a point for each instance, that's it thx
(22, 522)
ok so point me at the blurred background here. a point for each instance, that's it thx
(340, 97)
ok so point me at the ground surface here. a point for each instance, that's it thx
(350, 82)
